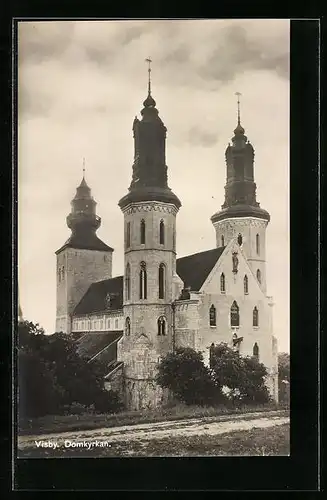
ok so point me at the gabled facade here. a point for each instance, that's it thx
(161, 302)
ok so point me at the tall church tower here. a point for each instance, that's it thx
(241, 214)
(150, 209)
(83, 259)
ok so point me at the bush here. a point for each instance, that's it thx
(184, 373)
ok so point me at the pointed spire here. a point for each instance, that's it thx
(83, 182)
(239, 129)
(149, 101)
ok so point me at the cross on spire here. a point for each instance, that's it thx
(83, 167)
(238, 108)
(149, 61)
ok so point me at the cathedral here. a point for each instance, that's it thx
(160, 303)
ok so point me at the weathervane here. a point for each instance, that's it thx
(149, 61)
(238, 108)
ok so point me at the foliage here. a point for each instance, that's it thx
(230, 377)
(184, 373)
(243, 376)
(283, 376)
(54, 379)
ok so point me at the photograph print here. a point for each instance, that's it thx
(153, 238)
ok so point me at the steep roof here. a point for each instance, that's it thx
(91, 344)
(86, 241)
(194, 269)
(94, 299)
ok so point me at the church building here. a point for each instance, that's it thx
(219, 295)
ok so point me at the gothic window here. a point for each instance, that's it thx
(255, 317)
(256, 351)
(89, 325)
(104, 258)
(143, 281)
(162, 278)
(142, 231)
(259, 275)
(234, 314)
(101, 324)
(116, 324)
(128, 234)
(128, 282)
(212, 316)
(257, 244)
(239, 239)
(222, 283)
(127, 326)
(222, 241)
(161, 326)
(162, 233)
(246, 284)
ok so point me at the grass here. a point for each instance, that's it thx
(263, 442)
(65, 423)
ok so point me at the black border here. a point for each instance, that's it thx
(298, 472)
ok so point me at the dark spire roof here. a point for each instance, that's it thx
(149, 179)
(83, 221)
(240, 188)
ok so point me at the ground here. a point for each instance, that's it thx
(257, 433)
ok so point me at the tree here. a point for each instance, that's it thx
(242, 377)
(283, 376)
(184, 373)
(53, 378)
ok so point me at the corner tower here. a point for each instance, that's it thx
(83, 259)
(150, 209)
(241, 215)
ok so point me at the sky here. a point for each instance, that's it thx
(80, 85)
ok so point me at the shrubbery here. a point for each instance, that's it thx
(54, 379)
(230, 377)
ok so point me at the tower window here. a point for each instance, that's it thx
(259, 275)
(128, 234)
(212, 316)
(222, 241)
(257, 244)
(59, 274)
(246, 285)
(128, 282)
(127, 326)
(142, 231)
(101, 324)
(162, 232)
(239, 239)
(116, 324)
(162, 278)
(234, 315)
(143, 281)
(108, 324)
(255, 317)
(256, 351)
(161, 325)
(222, 283)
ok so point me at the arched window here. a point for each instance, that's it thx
(59, 274)
(246, 284)
(162, 278)
(142, 231)
(63, 273)
(128, 234)
(127, 326)
(108, 324)
(239, 239)
(162, 233)
(222, 283)
(101, 324)
(212, 316)
(257, 244)
(116, 324)
(234, 314)
(256, 350)
(161, 326)
(128, 282)
(255, 317)
(143, 281)
(259, 275)
(222, 241)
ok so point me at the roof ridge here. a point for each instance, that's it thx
(203, 251)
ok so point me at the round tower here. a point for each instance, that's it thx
(240, 215)
(83, 259)
(150, 209)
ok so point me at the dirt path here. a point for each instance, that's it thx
(159, 430)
